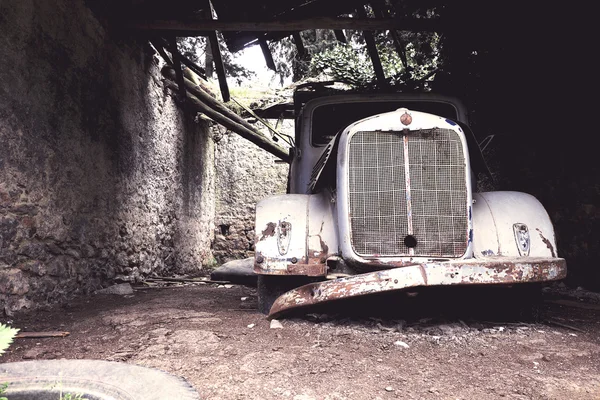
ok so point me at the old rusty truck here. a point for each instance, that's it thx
(382, 197)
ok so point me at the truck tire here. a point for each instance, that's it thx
(93, 379)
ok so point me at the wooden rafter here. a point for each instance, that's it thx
(372, 50)
(219, 66)
(264, 46)
(216, 53)
(339, 35)
(177, 65)
(217, 111)
(381, 11)
(299, 44)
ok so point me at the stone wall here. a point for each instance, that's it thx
(102, 175)
(245, 174)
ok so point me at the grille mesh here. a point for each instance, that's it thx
(379, 218)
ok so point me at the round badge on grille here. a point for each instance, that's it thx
(406, 118)
(410, 241)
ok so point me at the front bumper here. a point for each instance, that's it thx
(460, 272)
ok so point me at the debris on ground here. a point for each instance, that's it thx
(400, 343)
(118, 289)
(38, 335)
(202, 333)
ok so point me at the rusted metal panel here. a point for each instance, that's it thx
(295, 235)
(459, 272)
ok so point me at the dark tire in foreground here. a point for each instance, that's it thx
(92, 379)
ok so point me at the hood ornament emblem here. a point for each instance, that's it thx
(406, 118)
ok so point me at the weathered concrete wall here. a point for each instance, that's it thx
(245, 174)
(101, 174)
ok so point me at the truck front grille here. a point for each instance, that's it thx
(408, 185)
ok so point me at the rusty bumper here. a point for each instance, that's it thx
(460, 272)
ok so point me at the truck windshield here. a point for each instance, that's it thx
(329, 119)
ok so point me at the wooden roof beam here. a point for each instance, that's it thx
(264, 46)
(201, 27)
(219, 66)
(215, 49)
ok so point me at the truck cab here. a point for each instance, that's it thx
(382, 196)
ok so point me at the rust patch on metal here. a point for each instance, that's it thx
(284, 227)
(269, 231)
(423, 274)
(319, 256)
(457, 272)
(307, 269)
(324, 247)
(546, 242)
(382, 263)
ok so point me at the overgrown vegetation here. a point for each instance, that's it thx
(7, 335)
(197, 49)
(3, 388)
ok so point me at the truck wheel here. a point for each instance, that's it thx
(92, 379)
(270, 287)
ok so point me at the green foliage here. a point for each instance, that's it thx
(351, 63)
(7, 335)
(195, 48)
(407, 58)
(3, 388)
(211, 264)
(69, 396)
(343, 63)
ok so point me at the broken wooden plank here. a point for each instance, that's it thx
(220, 114)
(574, 304)
(299, 44)
(161, 43)
(339, 36)
(563, 325)
(219, 66)
(187, 280)
(160, 47)
(39, 335)
(251, 135)
(203, 26)
(264, 46)
(209, 100)
(177, 66)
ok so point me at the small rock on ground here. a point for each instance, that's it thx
(276, 324)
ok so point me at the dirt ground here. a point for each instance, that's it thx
(408, 349)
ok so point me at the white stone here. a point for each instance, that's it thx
(276, 324)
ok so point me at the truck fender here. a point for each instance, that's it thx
(295, 234)
(511, 224)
